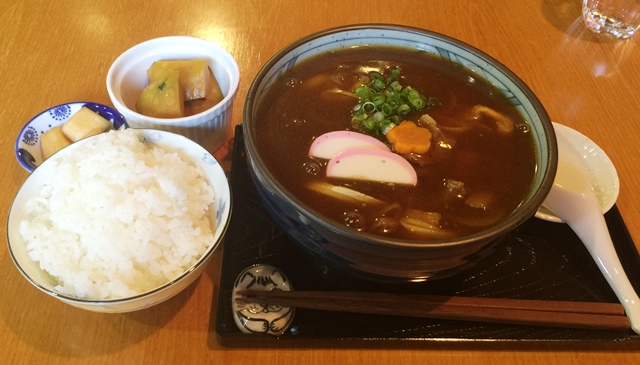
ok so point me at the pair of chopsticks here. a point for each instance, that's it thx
(566, 314)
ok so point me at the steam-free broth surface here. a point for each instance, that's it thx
(495, 169)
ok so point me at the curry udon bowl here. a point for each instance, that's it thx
(274, 154)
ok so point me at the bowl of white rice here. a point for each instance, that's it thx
(120, 221)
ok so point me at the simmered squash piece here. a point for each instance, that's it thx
(164, 98)
(195, 76)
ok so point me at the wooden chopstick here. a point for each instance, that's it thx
(567, 314)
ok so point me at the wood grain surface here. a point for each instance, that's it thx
(54, 52)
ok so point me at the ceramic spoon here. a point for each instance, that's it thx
(573, 199)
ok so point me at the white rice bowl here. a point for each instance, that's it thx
(119, 221)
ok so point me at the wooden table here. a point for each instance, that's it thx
(59, 51)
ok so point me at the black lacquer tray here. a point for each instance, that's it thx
(542, 260)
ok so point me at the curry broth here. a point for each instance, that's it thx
(498, 168)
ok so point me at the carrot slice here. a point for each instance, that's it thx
(408, 137)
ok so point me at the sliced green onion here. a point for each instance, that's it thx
(369, 107)
(387, 109)
(370, 124)
(418, 103)
(356, 123)
(404, 109)
(383, 101)
(378, 84)
(360, 117)
(378, 99)
(362, 92)
(393, 102)
(394, 75)
(386, 125)
(378, 116)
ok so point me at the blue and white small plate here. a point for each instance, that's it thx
(27, 147)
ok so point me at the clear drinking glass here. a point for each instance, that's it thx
(619, 18)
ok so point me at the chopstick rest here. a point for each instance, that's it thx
(257, 316)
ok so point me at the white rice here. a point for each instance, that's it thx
(118, 218)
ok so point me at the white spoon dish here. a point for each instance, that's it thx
(600, 170)
(573, 198)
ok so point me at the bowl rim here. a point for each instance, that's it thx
(202, 260)
(234, 72)
(364, 239)
(20, 151)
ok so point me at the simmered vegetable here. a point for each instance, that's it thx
(193, 79)
(163, 98)
(407, 137)
(194, 76)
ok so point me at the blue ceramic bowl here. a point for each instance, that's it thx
(375, 257)
(27, 147)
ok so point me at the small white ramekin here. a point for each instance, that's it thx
(127, 77)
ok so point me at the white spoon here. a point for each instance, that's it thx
(574, 200)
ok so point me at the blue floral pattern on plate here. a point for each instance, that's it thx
(60, 112)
